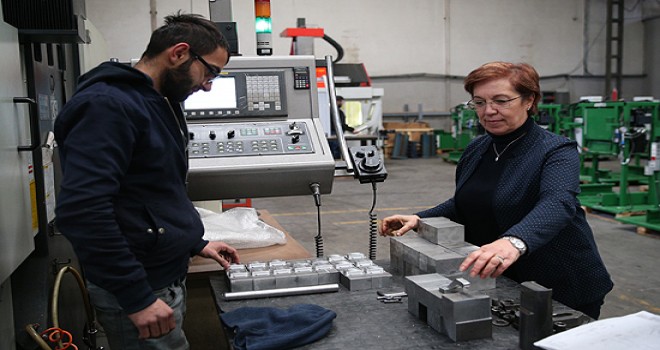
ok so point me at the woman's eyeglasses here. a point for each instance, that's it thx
(477, 103)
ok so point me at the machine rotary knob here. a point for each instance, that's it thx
(212, 135)
(231, 134)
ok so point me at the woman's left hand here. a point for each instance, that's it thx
(491, 260)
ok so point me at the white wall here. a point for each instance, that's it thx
(126, 24)
(435, 41)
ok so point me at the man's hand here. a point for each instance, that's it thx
(221, 252)
(154, 321)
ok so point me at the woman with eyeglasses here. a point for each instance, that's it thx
(516, 191)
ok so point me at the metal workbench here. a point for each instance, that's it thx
(365, 323)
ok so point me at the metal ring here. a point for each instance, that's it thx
(501, 259)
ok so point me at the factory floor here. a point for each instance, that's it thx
(412, 185)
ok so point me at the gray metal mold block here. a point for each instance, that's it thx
(476, 329)
(476, 283)
(439, 229)
(466, 250)
(285, 281)
(396, 254)
(465, 306)
(383, 280)
(263, 282)
(355, 283)
(243, 284)
(328, 276)
(448, 262)
(466, 316)
(419, 289)
(307, 279)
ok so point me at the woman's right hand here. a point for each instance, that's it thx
(398, 225)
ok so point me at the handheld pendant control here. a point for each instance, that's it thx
(367, 164)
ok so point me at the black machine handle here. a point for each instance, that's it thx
(34, 125)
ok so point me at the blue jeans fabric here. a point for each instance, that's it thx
(120, 330)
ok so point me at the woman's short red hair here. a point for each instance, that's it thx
(522, 76)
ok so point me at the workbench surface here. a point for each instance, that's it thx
(365, 323)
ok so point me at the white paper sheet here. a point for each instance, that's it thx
(640, 331)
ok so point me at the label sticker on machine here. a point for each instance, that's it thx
(249, 139)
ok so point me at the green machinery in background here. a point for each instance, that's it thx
(597, 131)
(465, 127)
(646, 115)
(625, 130)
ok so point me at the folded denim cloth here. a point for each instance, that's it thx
(263, 328)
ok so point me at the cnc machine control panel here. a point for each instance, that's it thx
(249, 139)
(257, 132)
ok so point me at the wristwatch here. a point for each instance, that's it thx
(517, 243)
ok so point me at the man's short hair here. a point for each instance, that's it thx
(201, 34)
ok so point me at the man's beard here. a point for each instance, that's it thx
(177, 84)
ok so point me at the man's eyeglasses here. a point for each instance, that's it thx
(213, 71)
(496, 103)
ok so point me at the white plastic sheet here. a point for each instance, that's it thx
(240, 228)
(640, 331)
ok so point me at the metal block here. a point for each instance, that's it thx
(455, 245)
(465, 306)
(335, 258)
(396, 255)
(410, 253)
(476, 283)
(240, 283)
(420, 290)
(277, 264)
(327, 274)
(355, 256)
(470, 330)
(535, 314)
(465, 250)
(263, 282)
(439, 229)
(447, 262)
(306, 279)
(355, 279)
(381, 280)
(461, 316)
(284, 279)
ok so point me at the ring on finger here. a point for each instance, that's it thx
(501, 259)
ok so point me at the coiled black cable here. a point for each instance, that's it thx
(318, 238)
(373, 226)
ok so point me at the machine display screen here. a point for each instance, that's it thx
(221, 96)
(240, 93)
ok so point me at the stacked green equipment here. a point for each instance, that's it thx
(596, 132)
(631, 135)
(646, 115)
(465, 127)
(549, 117)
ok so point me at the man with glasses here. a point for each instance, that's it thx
(123, 202)
(516, 195)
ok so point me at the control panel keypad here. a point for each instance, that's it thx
(223, 140)
(263, 92)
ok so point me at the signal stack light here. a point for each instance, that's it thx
(263, 27)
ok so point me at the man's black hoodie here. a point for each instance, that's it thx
(123, 201)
